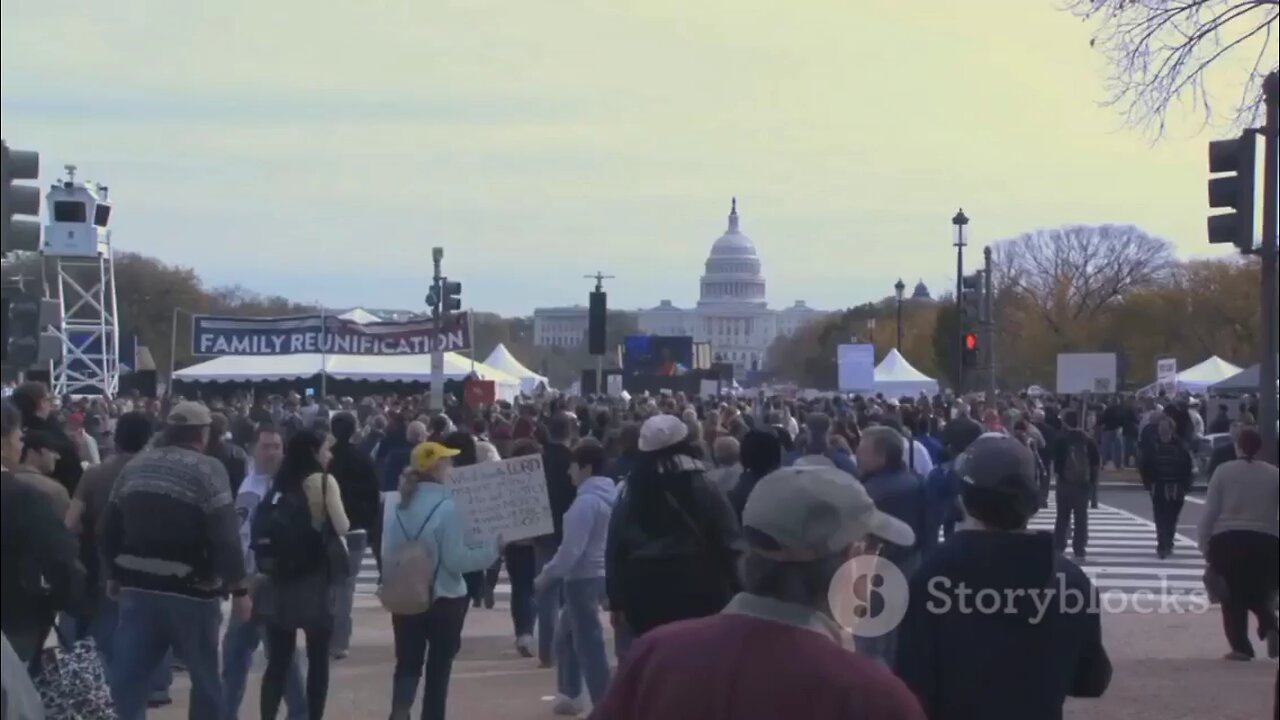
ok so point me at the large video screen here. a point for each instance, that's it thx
(660, 355)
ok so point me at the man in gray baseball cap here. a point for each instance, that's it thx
(190, 414)
(775, 647)
(802, 514)
(1042, 639)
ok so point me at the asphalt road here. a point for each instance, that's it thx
(1135, 500)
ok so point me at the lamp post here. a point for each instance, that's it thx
(899, 288)
(871, 329)
(958, 224)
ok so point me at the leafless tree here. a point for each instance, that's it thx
(1161, 52)
(1067, 276)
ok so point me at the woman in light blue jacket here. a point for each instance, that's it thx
(579, 562)
(426, 513)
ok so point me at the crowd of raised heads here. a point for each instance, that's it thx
(91, 422)
(690, 519)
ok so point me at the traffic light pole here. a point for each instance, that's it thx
(1267, 411)
(435, 298)
(960, 318)
(988, 326)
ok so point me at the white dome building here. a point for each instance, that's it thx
(732, 313)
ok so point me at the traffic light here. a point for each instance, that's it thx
(971, 300)
(450, 296)
(19, 199)
(25, 317)
(971, 350)
(1234, 163)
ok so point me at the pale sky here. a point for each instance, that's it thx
(319, 149)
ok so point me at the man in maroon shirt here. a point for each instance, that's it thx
(775, 651)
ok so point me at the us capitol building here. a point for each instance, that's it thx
(732, 314)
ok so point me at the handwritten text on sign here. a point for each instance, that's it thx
(507, 498)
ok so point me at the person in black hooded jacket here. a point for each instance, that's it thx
(673, 539)
(36, 405)
(1167, 470)
(761, 454)
(358, 480)
(1018, 657)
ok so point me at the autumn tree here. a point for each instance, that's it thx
(147, 293)
(1066, 277)
(1162, 52)
(1206, 307)
(946, 343)
(808, 356)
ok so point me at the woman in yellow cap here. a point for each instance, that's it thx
(427, 514)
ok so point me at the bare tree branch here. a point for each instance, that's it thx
(1161, 52)
(1071, 275)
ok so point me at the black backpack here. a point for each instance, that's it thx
(284, 541)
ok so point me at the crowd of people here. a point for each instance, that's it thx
(709, 529)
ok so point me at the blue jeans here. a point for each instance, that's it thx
(580, 652)
(1113, 448)
(151, 624)
(102, 628)
(547, 600)
(357, 542)
(239, 644)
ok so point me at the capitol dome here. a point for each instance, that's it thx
(732, 271)
(921, 292)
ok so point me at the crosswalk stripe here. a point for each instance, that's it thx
(1163, 572)
(1117, 559)
(1141, 560)
(1120, 558)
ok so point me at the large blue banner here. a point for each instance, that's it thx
(222, 335)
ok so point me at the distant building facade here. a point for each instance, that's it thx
(563, 327)
(731, 313)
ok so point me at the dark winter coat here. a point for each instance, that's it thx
(673, 545)
(358, 479)
(1018, 663)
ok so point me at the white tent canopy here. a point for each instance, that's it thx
(895, 377)
(360, 315)
(1198, 378)
(502, 359)
(379, 368)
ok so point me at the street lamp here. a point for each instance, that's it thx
(958, 224)
(871, 329)
(899, 288)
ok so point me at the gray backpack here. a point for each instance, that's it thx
(409, 574)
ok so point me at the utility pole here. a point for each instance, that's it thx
(434, 301)
(989, 325)
(597, 324)
(1267, 411)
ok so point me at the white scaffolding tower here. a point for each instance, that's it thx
(80, 274)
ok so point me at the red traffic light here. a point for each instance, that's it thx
(970, 341)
